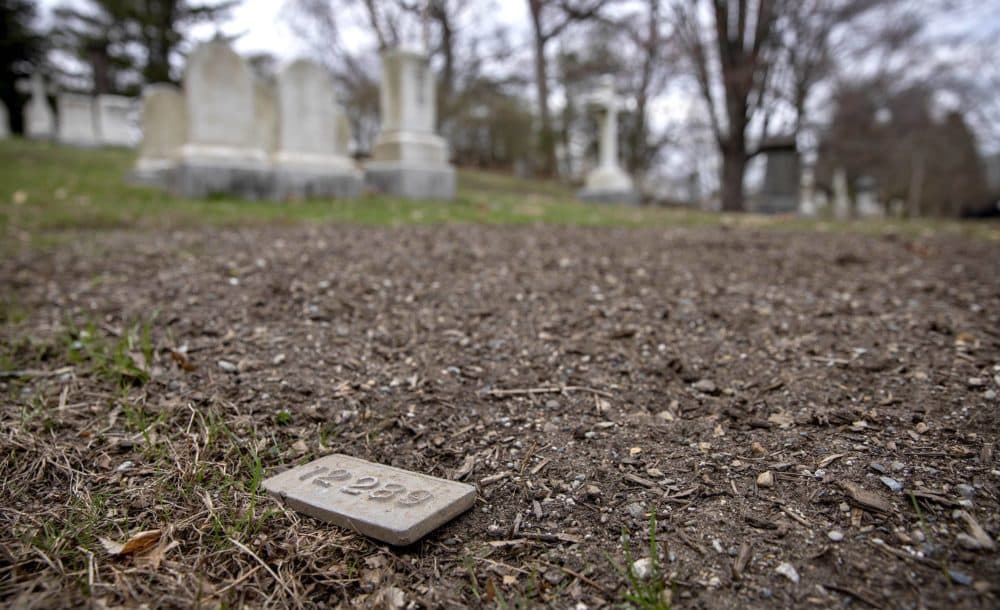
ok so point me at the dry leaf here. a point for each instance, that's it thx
(830, 459)
(181, 359)
(153, 557)
(865, 498)
(135, 544)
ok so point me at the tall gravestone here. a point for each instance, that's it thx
(222, 152)
(409, 159)
(39, 121)
(608, 182)
(77, 120)
(312, 160)
(867, 198)
(114, 120)
(841, 195)
(4, 122)
(782, 180)
(164, 129)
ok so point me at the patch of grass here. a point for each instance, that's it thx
(649, 592)
(111, 358)
(46, 190)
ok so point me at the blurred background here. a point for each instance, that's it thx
(900, 97)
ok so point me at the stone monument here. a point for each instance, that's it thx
(867, 198)
(311, 160)
(164, 128)
(39, 122)
(608, 182)
(408, 158)
(841, 196)
(114, 120)
(221, 153)
(782, 181)
(4, 122)
(77, 121)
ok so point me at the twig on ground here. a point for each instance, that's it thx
(273, 574)
(547, 390)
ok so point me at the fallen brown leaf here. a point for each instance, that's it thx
(138, 542)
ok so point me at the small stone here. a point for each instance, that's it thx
(278, 359)
(960, 578)
(706, 386)
(879, 468)
(592, 491)
(989, 394)
(966, 490)
(835, 535)
(551, 404)
(976, 382)
(554, 576)
(921, 428)
(636, 509)
(642, 568)
(757, 450)
(126, 465)
(654, 472)
(765, 479)
(665, 416)
(891, 483)
(788, 571)
(227, 366)
(968, 543)
(897, 466)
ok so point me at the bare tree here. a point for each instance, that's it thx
(732, 67)
(549, 19)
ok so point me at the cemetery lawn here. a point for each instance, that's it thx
(48, 192)
(806, 418)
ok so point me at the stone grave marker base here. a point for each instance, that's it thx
(411, 181)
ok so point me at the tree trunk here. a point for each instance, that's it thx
(546, 139)
(734, 162)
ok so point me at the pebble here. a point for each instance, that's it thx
(788, 571)
(757, 450)
(921, 428)
(655, 473)
(636, 509)
(642, 568)
(897, 466)
(706, 386)
(765, 479)
(891, 483)
(976, 382)
(554, 576)
(989, 394)
(879, 468)
(835, 535)
(966, 490)
(592, 491)
(960, 577)
(126, 465)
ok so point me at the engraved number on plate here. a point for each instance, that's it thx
(362, 484)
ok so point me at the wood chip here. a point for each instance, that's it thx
(830, 459)
(639, 480)
(976, 530)
(865, 498)
(742, 560)
(493, 478)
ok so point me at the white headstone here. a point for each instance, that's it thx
(114, 120)
(841, 196)
(164, 127)
(223, 152)
(867, 199)
(39, 121)
(219, 91)
(390, 504)
(311, 160)
(608, 181)
(409, 159)
(4, 122)
(77, 121)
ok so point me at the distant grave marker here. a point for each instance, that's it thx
(608, 182)
(114, 120)
(77, 122)
(386, 503)
(39, 121)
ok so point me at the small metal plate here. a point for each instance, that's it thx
(389, 504)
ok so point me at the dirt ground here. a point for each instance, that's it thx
(760, 393)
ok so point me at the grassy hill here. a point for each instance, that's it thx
(46, 188)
